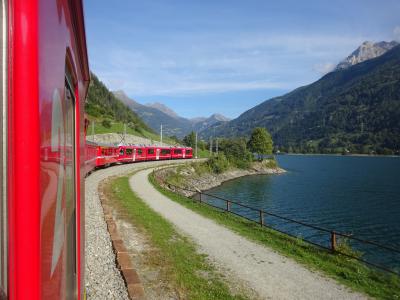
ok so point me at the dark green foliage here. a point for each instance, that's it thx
(218, 164)
(175, 139)
(236, 152)
(260, 142)
(102, 104)
(190, 140)
(353, 110)
(106, 123)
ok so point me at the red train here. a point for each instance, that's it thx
(44, 82)
(102, 155)
(44, 79)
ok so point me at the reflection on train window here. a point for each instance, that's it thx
(140, 151)
(150, 151)
(178, 151)
(128, 151)
(165, 151)
(70, 200)
(188, 151)
(121, 152)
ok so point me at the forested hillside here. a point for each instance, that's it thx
(353, 110)
(102, 106)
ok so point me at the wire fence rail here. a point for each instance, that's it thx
(264, 219)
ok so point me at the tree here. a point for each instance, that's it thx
(260, 142)
(190, 140)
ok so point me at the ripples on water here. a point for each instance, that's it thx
(355, 195)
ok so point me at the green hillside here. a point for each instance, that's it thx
(356, 110)
(109, 114)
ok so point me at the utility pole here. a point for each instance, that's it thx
(196, 145)
(161, 135)
(216, 142)
(210, 145)
(93, 131)
(124, 133)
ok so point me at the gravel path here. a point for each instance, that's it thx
(271, 275)
(103, 279)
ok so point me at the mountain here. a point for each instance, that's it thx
(355, 109)
(200, 124)
(156, 114)
(154, 117)
(103, 105)
(165, 109)
(366, 51)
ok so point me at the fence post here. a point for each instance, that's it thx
(228, 205)
(333, 241)
(261, 218)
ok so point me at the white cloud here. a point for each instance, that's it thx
(323, 68)
(211, 63)
(396, 33)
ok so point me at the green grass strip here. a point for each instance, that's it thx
(188, 270)
(347, 271)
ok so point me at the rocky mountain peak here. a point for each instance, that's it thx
(165, 109)
(366, 51)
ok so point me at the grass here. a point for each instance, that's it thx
(190, 273)
(349, 272)
(118, 127)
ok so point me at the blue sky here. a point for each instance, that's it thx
(226, 56)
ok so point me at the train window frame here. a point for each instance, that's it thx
(140, 151)
(70, 85)
(129, 151)
(3, 152)
(150, 151)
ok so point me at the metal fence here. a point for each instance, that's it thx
(330, 240)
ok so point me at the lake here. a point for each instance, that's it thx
(349, 194)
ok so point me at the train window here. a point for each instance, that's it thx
(150, 151)
(70, 197)
(139, 151)
(188, 151)
(128, 151)
(178, 151)
(121, 152)
(3, 151)
(165, 151)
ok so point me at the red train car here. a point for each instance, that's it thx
(128, 154)
(107, 155)
(44, 81)
(188, 152)
(178, 153)
(90, 157)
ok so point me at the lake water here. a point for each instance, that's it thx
(355, 195)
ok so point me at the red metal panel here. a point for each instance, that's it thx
(24, 205)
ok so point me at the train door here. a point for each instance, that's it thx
(70, 192)
(183, 153)
(134, 155)
(158, 154)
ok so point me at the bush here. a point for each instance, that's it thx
(236, 152)
(218, 164)
(106, 123)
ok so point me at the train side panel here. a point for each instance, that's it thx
(47, 82)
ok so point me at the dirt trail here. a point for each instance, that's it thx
(269, 274)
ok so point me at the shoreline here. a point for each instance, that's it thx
(208, 181)
(339, 155)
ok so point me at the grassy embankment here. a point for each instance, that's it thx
(187, 270)
(347, 271)
(118, 127)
